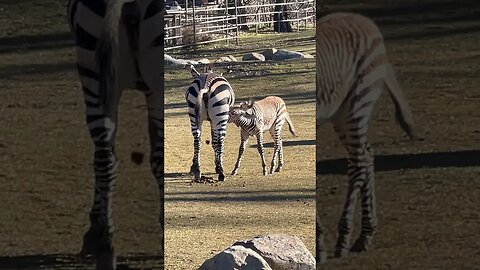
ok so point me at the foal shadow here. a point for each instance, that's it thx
(459, 159)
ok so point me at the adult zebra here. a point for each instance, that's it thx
(119, 44)
(352, 71)
(209, 97)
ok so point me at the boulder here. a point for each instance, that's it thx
(253, 57)
(169, 60)
(281, 252)
(232, 58)
(268, 53)
(281, 55)
(223, 59)
(236, 258)
(308, 56)
(204, 61)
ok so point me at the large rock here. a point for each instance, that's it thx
(268, 53)
(236, 258)
(281, 252)
(223, 59)
(204, 61)
(281, 55)
(169, 60)
(232, 58)
(308, 56)
(253, 57)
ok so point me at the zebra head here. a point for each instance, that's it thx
(243, 110)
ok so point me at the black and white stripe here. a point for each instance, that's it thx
(352, 72)
(255, 118)
(119, 44)
(209, 97)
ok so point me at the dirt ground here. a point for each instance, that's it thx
(203, 219)
(428, 192)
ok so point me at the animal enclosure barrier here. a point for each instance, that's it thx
(191, 26)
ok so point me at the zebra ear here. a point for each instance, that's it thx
(250, 102)
(194, 72)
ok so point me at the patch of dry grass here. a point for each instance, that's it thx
(203, 219)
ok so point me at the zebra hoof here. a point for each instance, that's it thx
(361, 245)
(341, 252)
(198, 175)
(279, 169)
(234, 172)
(221, 177)
(90, 242)
(194, 169)
(106, 259)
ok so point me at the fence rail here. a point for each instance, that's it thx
(190, 26)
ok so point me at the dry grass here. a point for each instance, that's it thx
(203, 219)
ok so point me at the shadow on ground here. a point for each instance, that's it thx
(469, 158)
(73, 262)
(242, 196)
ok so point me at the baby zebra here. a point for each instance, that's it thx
(256, 117)
(352, 72)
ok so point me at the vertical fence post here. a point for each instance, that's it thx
(226, 23)
(194, 22)
(236, 21)
(298, 15)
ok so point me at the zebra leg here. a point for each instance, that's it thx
(355, 176)
(275, 151)
(243, 142)
(369, 215)
(280, 155)
(154, 101)
(261, 151)
(98, 240)
(219, 141)
(321, 251)
(195, 168)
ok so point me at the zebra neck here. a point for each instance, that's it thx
(245, 123)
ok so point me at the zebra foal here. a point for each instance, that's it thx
(119, 44)
(209, 97)
(352, 72)
(256, 117)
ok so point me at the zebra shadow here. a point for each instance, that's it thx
(74, 262)
(458, 159)
(288, 143)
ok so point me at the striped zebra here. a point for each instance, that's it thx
(119, 44)
(352, 71)
(255, 118)
(209, 97)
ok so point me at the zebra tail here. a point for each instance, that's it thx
(199, 106)
(290, 125)
(106, 51)
(402, 110)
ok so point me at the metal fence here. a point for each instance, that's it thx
(189, 26)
